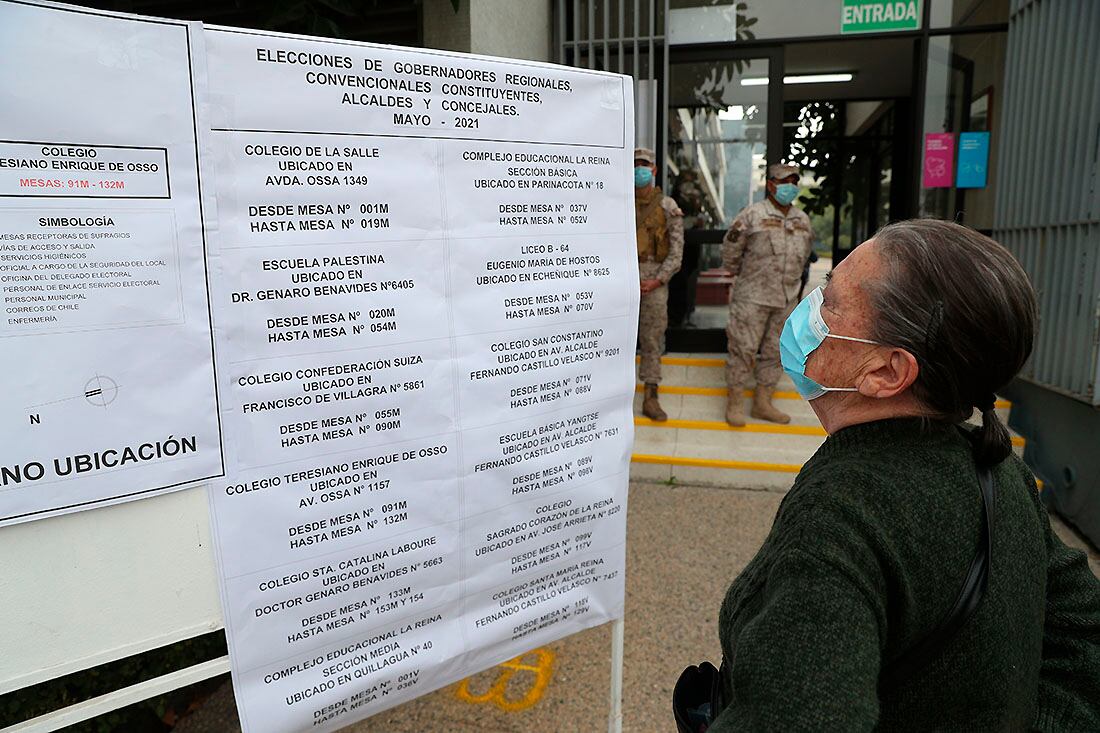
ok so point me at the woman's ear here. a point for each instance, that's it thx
(893, 372)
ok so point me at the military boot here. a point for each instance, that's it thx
(651, 408)
(763, 409)
(735, 407)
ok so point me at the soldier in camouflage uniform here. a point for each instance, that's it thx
(765, 251)
(660, 230)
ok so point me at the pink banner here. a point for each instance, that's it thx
(939, 159)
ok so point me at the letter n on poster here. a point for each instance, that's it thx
(939, 159)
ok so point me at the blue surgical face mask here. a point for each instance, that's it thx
(803, 332)
(643, 176)
(785, 193)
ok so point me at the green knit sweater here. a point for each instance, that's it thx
(868, 552)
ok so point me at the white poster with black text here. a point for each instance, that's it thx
(105, 338)
(427, 329)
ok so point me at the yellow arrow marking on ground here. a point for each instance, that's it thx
(542, 669)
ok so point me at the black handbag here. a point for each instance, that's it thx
(697, 698)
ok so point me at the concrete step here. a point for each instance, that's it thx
(698, 370)
(711, 472)
(755, 434)
(696, 446)
(691, 373)
(709, 403)
(708, 413)
(720, 458)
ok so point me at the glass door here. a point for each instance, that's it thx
(847, 152)
(724, 127)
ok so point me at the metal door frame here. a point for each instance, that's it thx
(732, 52)
(713, 339)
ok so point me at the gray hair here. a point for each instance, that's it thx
(963, 307)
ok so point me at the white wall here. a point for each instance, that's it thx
(518, 29)
(99, 585)
(444, 28)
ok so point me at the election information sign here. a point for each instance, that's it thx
(426, 321)
(105, 336)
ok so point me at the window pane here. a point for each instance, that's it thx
(948, 13)
(717, 133)
(716, 138)
(964, 77)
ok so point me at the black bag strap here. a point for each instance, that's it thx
(974, 587)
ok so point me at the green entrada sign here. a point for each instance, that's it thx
(870, 16)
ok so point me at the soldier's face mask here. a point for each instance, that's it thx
(643, 176)
(803, 332)
(785, 193)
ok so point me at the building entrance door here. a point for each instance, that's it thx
(855, 159)
(724, 126)
(842, 110)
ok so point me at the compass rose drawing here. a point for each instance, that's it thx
(100, 391)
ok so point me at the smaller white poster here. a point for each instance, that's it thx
(105, 333)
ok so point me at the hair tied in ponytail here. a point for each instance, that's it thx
(992, 442)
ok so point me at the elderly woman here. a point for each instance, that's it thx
(890, 594)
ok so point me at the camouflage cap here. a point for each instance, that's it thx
(645, 154)
(779, 171)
